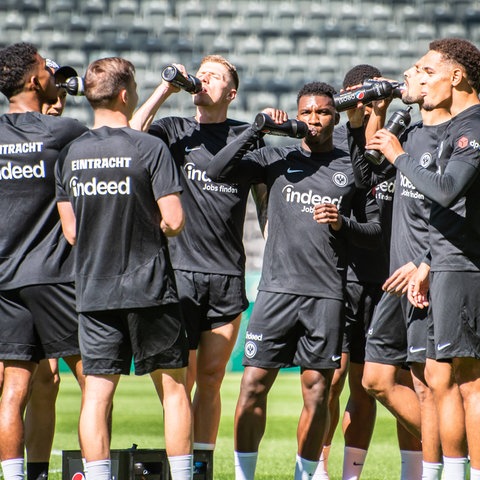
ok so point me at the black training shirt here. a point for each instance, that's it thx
(455, 193)
(212, 240)
(32, 247)
(301, 256)
(113, 178)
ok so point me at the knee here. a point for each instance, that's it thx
(46, 384)
(373, 384)
(210, 377)
(252, 394)
(338, 384)
(423, 392)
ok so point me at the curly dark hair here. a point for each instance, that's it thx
(15, 62)
(316, 88)
(360, 73)
(462, 52)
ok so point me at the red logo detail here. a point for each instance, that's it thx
(462, 142)
(78, 476)
(360, 95)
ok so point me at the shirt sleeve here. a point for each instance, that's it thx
(164, 172)
(366, 174)
(235, 162)
(60, 190)
(445, 188)
(368, 232)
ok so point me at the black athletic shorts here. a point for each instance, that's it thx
(38, 321)
(292, 330)
(155, 337)
(360, 302)
(398, 332)
(209, 301)
(455, 300)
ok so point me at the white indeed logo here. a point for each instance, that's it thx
(17, 172)
(196, 174)
(254, 336)
(409, 189)
(308, 198)
(405, 182)
(386, 187)
(102, 187)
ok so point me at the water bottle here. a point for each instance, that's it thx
(374, 90)
(188, 83)
(74, 86)
(396, 124)
(290, 128)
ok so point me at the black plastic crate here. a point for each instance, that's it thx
(138, 464)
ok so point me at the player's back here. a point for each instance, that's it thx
(29, 147)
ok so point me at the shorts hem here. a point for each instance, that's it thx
(383, 361)
(65, 353)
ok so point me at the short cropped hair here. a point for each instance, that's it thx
(358, 74)
(105, 78)
(463, 53)
(316, 88)
(16, 61)
(223, 61)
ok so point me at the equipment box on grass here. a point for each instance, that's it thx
(138, 464)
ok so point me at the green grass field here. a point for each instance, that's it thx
(138, 419)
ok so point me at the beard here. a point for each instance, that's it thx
(408, 99)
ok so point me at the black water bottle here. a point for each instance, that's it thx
(397, 87)
(188, 83)
(396, 124)
(74, 86)
(376, 90)
(290, 128)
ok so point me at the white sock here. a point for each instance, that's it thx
(181, 467)
(474, 474)
(321, 471)
(84, 463)
(455, 468)
(13, 469)
(203, 446)
(304, 469)
(99, 470)
(353, 460)
(431, 471)
(411, 465)
(245, 465)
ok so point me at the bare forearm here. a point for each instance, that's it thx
(145, 114)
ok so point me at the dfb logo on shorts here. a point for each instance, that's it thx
(250, 349)
(78, 476)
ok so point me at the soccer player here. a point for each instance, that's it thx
(208, 255)
(367, 271)
(118, 196)
(450, 80)
(40, 412)
(37, 298)
(61, 74)
(398, 333)
(298, 315)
